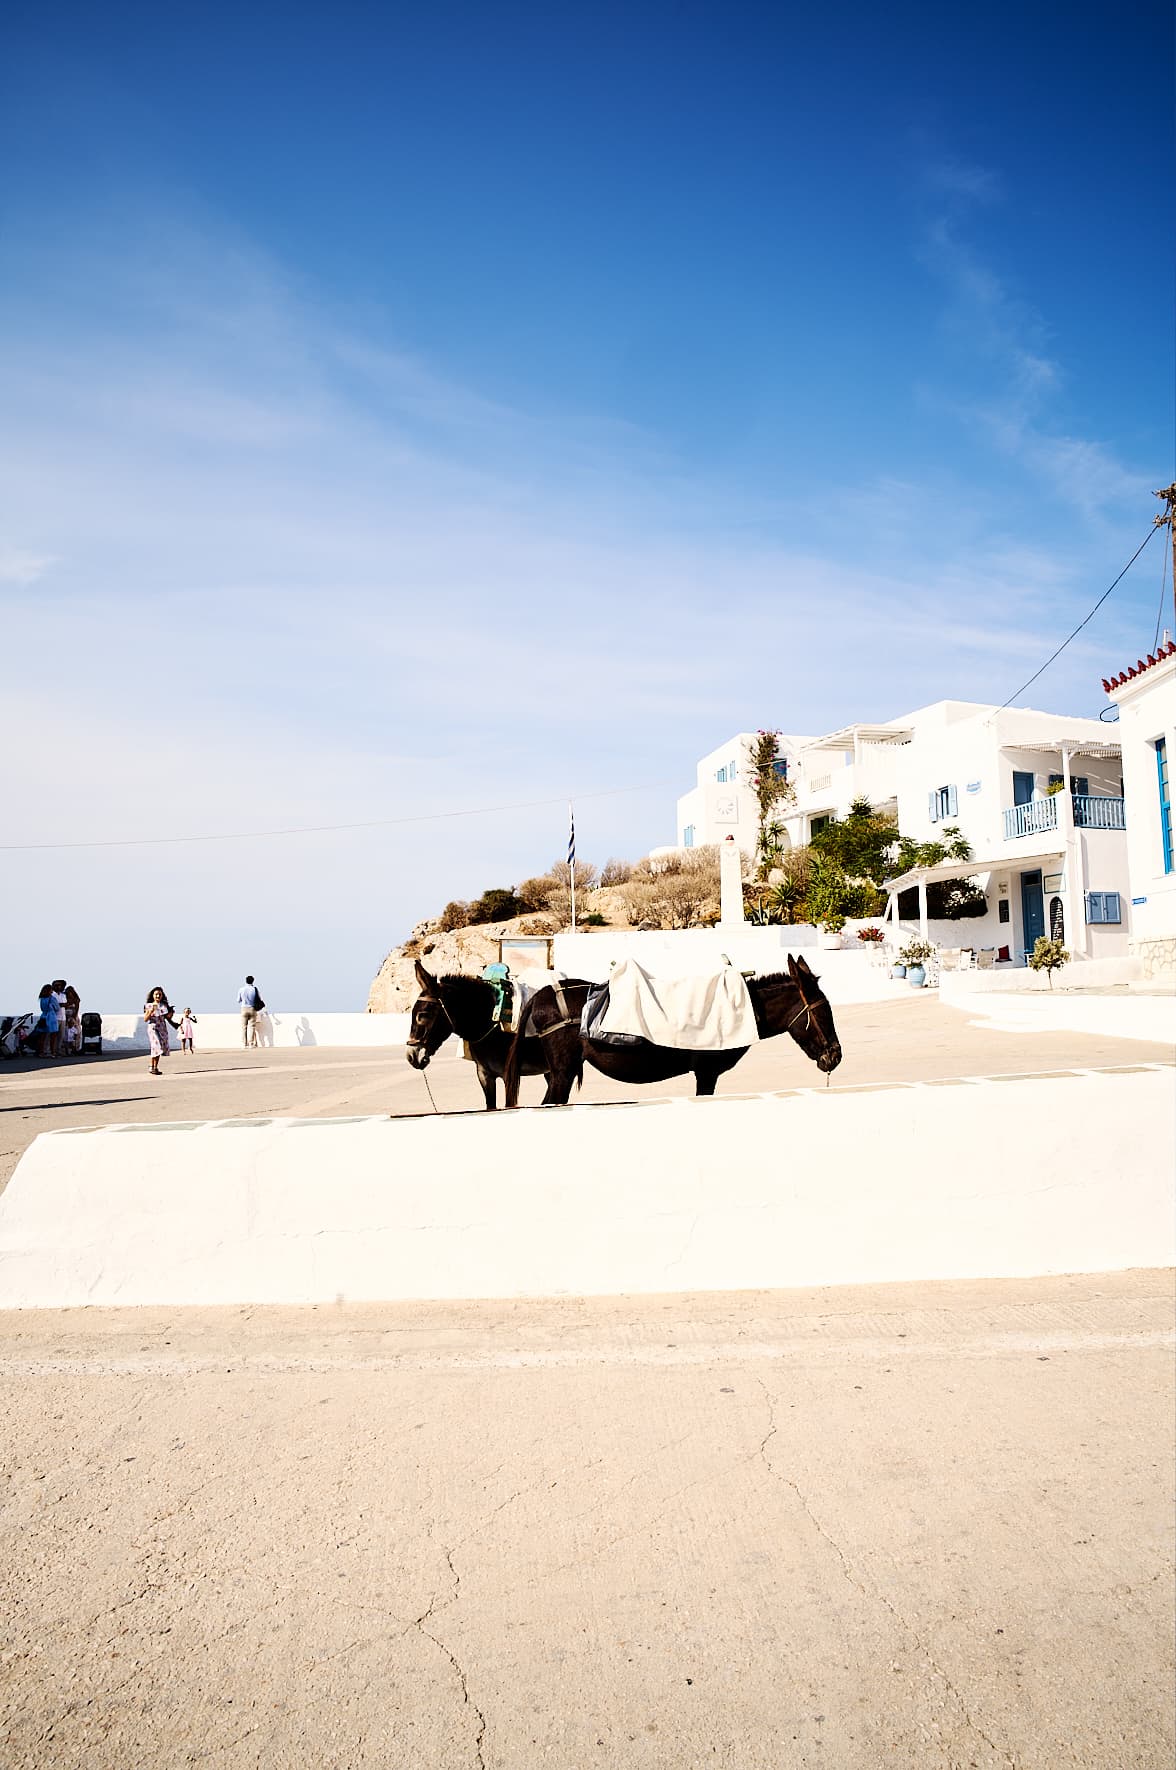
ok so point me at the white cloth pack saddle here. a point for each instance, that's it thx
(711, 1012)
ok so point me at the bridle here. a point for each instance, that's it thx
(806, 1009)
(415, 1044)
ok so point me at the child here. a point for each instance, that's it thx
(187, 1031)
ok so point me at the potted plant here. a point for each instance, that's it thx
(914, 956)
(829, 930)
(872, 936)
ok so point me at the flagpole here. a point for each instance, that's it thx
(572, 858)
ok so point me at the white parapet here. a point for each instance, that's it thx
(1002, 1178)
(222, 1032)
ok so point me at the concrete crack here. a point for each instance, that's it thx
(873, 1594)
(419, 1625)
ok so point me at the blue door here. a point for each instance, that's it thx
(1022, 786)
(1032, 908)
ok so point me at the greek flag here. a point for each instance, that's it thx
(571, 838)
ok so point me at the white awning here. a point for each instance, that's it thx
(1022, 860)
(1076, 746)
(868, 734)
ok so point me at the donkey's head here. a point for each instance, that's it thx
(811, 1023)
(430, 1025)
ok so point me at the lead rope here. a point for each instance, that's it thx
(424, 1075)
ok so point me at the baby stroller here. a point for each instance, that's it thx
(92, 1033)
(17, 1032)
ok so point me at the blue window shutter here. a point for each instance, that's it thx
(952, 802)
(1094, 907)
(1112, 911)
(933, 807)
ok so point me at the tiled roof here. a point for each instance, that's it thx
(1165, 651)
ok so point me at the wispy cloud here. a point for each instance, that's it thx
(18, 566)
(1020, 413)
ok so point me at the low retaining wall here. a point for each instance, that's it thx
(222, 1032)
(1004, 1178)
(1151, 1018)
(846, 975)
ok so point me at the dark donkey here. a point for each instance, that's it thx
(466, 1006)
(794, 1004)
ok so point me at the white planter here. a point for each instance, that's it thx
(827, 941)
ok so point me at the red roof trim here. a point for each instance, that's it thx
(1138, 668)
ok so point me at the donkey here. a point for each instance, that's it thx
(793, 1004)
(466, 1006)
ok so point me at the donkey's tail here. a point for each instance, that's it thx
(512, 1068)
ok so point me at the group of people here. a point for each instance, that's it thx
(160, 1016)
(60, 1008)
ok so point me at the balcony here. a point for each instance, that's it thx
(1040, 815)
(1098, 814)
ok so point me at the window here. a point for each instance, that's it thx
(1103, 906)
(1002, 910)
(732, 771)
(688, 836)
(943, 802)
(1165, 802)
(720, 774)
(819, 823)
(1079, 784)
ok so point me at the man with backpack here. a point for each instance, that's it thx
(251, 1005)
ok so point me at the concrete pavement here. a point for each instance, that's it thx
(918, 1525)
(905, 1525)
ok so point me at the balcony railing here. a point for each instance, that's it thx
(1031, 819)
(1039, 815)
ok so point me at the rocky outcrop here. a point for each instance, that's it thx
(395, 987)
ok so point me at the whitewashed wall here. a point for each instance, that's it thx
(222, 1032)
(810, 1187)
(846, 976)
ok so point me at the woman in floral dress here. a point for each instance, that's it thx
(158, 1016)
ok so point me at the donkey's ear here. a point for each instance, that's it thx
(791, 966)
(802, 965)
(426, 982)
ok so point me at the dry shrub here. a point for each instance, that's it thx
(615, 872)
(454, 915)
(683, 893)
(535, 894)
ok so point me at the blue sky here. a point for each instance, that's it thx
(406, 410)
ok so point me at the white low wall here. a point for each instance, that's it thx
(846, 975)
(1152, 1018)
(222, 1032)
(1090, 974)
(812, 1187)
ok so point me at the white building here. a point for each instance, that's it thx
(1146, 698)
(1038, 795)
(722, 802)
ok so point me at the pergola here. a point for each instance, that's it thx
(964, 869)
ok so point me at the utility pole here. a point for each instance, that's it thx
(1169, 518)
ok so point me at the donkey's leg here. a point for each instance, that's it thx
(706, 1077)
(562, 1050)
(489, 1083)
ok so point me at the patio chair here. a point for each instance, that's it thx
(949, 958)
(985, 958)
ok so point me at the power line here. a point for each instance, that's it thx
(382, 823)
(1079, 627)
